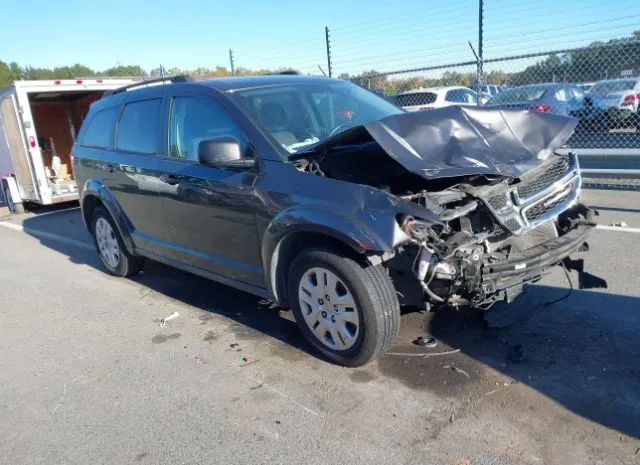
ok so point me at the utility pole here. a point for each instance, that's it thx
(326, 37)
(233, 68)
(480, 72)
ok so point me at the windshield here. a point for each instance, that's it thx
(613, 86)
(300, 115)
(519, 94)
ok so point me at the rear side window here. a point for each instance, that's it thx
(100, 128)
(418, 98)
(139, 127)
(519, 94)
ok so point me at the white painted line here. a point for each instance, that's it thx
(46, 235)
(56, 211)
(617, 228)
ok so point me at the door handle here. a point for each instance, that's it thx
(170, 179)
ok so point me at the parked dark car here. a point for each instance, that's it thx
(560, 99)
(326, 198)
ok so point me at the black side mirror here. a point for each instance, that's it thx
(223, 152)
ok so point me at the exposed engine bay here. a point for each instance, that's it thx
(503, 217)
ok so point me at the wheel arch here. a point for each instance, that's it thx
(292, 231)
(95, 194)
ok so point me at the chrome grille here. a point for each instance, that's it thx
(499, 201)
(539, 209)
(541, 178)
(541, 195)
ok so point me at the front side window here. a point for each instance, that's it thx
(460, 96)
(139, 127)
(561, 95)
(194, 119)
(100, 128)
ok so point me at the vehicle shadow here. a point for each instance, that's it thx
(260, 316)
(583, 352)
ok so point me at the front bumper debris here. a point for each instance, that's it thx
(529, 265)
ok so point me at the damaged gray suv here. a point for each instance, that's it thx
(327, 199)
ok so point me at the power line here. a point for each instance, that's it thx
(410, 13)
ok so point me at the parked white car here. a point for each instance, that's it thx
(435, 97)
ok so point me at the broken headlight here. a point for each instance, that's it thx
(419, 230)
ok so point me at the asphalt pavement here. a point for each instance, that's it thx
(88, 376)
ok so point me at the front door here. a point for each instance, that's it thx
(210, 212)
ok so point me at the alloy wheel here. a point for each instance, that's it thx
(328, 308)
(107, 243)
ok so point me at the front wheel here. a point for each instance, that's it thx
(347, 311)
(113, 253)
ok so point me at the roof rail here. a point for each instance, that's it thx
(143, 83)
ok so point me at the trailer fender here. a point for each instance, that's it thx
(94, 193)
(11, 183)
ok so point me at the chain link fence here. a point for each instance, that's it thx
(599, 85)
(575, 58)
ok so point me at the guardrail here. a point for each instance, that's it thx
(609, 169)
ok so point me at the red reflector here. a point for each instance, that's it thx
(632, 98)
(79, 81)
(540, 108)
(56, 82)
(32, 142)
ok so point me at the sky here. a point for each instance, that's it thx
(370, 34)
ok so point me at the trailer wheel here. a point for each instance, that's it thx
(11, 205)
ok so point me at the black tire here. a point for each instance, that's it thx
(11, 205)
(374, 295)
(127, 264)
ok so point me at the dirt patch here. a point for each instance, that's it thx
(205, 318)
(160, 338)
(361, 376)
(209, 337)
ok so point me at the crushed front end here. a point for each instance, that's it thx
(484, 199)
(496, 235)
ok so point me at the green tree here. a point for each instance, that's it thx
(121, 70)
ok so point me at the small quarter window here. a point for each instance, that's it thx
(100, 128)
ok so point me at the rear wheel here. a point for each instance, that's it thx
(110, 246)
(11, 205)
(347, 311)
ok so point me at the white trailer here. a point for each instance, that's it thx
(39, 121)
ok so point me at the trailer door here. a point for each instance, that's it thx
(14, 150)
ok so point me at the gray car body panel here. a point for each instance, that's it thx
(464, 140)
(449, 142)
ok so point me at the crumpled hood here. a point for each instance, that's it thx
(463, 141)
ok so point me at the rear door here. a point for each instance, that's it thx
(210, 212)
(131, 169)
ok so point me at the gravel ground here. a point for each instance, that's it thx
(89, 377)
